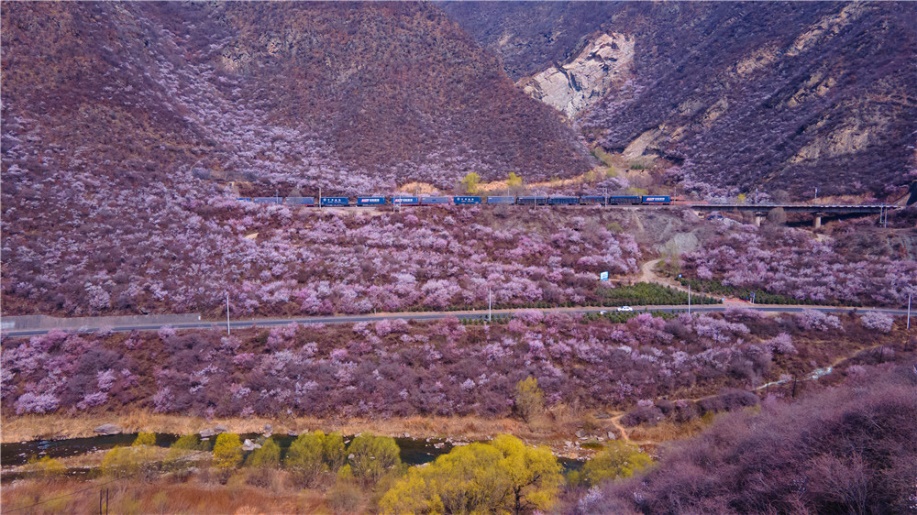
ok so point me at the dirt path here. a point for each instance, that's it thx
(648, 275)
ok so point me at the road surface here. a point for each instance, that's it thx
(462, 315)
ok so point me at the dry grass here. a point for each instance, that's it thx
(125, 497)
(667, 431)
(30, 427)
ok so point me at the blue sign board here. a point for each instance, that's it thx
(603, 276)
(370, 201)
(335, 201)
(459, 200)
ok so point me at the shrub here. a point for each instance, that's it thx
(616, 460)
(129, 462)
(148, 439)
(529, 399)
(311, 454)
(227, 451)
(371, 457)
(267, 456)
(877, 321)
(47, 468)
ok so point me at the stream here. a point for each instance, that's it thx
(414, 451)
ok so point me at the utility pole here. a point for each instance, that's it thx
(689, 299)
(227, 314)
(490, 305)
(909, 311)
(816, 193)
(319, 197)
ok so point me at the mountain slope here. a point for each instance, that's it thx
(283, 94)
(771, 96)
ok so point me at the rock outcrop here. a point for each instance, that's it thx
(570, 88)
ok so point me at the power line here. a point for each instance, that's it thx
(93, 487)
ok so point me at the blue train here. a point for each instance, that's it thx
(465, 200)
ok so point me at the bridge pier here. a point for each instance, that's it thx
(817, 223)
(758, 219)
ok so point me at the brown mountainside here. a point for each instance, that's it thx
(777, 96)
(352, 97)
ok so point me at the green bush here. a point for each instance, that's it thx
(371, 457)
(617, 460)
(761, 296)
(144, 439)
(267, 456)
(312, 454)
(649, 294)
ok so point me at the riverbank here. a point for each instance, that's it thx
(560, 428)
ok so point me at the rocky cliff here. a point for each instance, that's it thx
(606, 63)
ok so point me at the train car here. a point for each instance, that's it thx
(266, 200)
(335, 201)
(656, 199)
(592, 199)
(244, 199)
(405, 201)
(532, 201)
(501, 200)
(435, 201)
(619, 200)
(563, 201)
(299, 201)
(466, 200)
(370, 201)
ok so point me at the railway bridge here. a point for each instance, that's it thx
(816, 210)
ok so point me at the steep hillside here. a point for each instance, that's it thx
(355, 96)
(771, 96)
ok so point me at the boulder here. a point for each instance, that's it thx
(107, 429)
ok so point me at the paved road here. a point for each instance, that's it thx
(467, 315)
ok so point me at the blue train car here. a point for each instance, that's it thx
(299, 201)
(532, 201)
(371, 201)
(405, 201)
(462, 200)
(592, 199)
(501, 200)
(244, 199)
(563, 201)
(435, 201)
(617, 200)
(656, 199)
(266, 200)
(335, 201)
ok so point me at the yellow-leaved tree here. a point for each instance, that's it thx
(504, 475)
(471, 183)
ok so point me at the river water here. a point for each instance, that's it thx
(414, 451)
